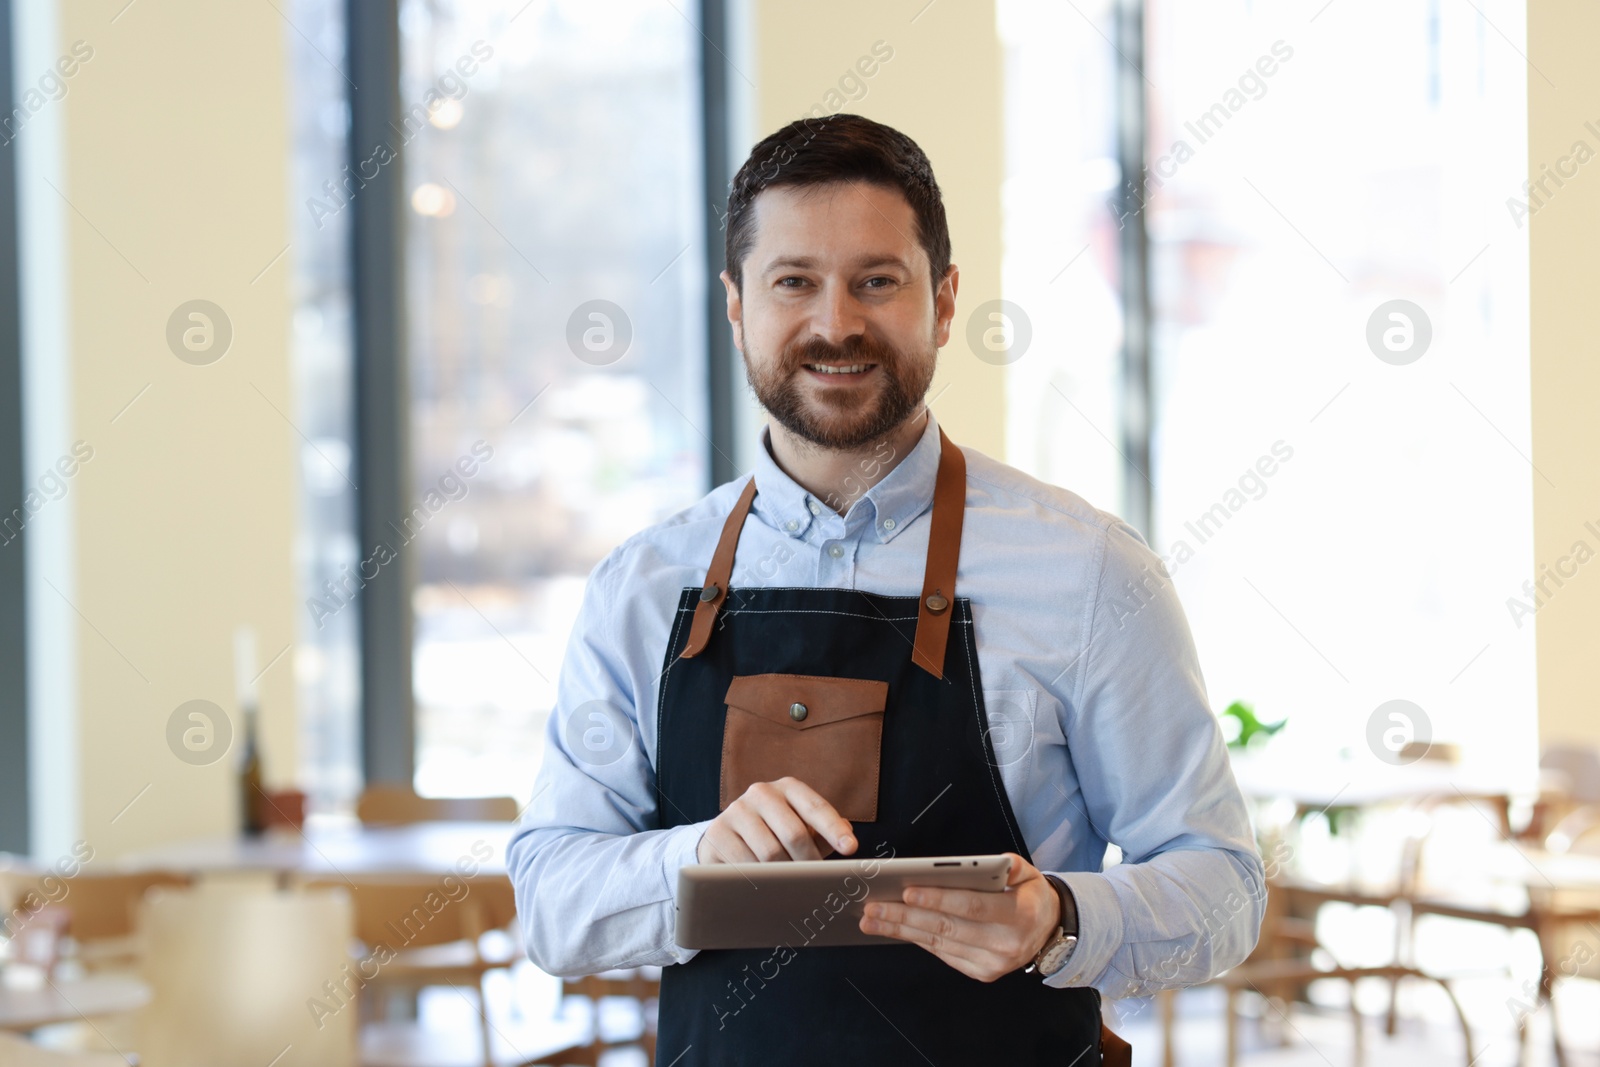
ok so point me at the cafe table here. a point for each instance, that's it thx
(63, 1001)
(1317, 783)
(334, 847)
(1562, 899)
(329, 847)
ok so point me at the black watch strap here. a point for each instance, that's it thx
(1069, 904)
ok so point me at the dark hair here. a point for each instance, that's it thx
(838, 148)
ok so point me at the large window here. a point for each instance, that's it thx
(554, 266)
(554, 290)
(1062, 258)
(1340, 344)
(1344, 496)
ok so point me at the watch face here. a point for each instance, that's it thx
(1056, 954)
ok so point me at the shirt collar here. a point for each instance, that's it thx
(888, 507)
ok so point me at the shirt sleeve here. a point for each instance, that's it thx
(1186, 902)
(595, 879)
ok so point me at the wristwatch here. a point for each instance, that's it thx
(1059, 948)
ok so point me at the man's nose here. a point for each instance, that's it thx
(838, 316)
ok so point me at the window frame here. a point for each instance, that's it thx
(15, 783)
(1138, 400)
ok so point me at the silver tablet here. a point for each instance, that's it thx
(812, 902)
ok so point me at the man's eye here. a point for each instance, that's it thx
(791, 282)
(879, 282)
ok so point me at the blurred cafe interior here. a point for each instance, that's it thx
(308, 450)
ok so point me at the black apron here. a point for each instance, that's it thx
(939, 793)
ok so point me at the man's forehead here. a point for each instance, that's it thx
(854, 222)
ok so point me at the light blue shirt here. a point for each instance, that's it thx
(1093, 691)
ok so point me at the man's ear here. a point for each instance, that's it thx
(735, 311)
(944, 305)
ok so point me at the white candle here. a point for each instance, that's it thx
(244, 667)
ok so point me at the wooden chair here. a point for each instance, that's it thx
(1566, 919)
(642, 986)
(19, 899)
(1569, 779)
(1409, 887)
(1283, 962)
(1579, 766)
(1283, 965)
(234, 973)
(419, 931)
(16, 874)
(1290, 964)
(1563, 920)
(101, 911)
(397, 805)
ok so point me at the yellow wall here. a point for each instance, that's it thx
(1566, 371)
(949, 106)
(174, 160)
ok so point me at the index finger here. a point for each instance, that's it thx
(818, 814)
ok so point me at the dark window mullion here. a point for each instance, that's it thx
(382, 395)
(15, 810)
(718, 169)
(1137, 400)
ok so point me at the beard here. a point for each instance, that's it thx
(837, 418)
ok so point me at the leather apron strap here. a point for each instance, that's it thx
(938, 576)
(715, 590)
(944, 551)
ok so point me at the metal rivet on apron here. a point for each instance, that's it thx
(936, 603)
(797, 712)
(710, 593)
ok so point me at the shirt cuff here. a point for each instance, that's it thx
(681, 853)
(1099, 929)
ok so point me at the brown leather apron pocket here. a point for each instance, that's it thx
(827, 732)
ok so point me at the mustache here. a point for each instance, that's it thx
(859, 348)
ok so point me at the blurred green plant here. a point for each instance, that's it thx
(1252, 731)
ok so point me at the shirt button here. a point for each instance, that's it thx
(888, 524)
(816, 509)
(835, 551)
(791, 526)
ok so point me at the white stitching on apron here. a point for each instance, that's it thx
(817, 611)
(661, 702)
(977, 708)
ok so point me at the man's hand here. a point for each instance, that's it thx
(982, 935)
(782, 820)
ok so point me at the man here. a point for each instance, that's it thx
(1043, 698)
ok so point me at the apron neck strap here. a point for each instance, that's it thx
(715, 590)
(934, 607)
(944, 550)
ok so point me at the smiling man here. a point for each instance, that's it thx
(1026, 709)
